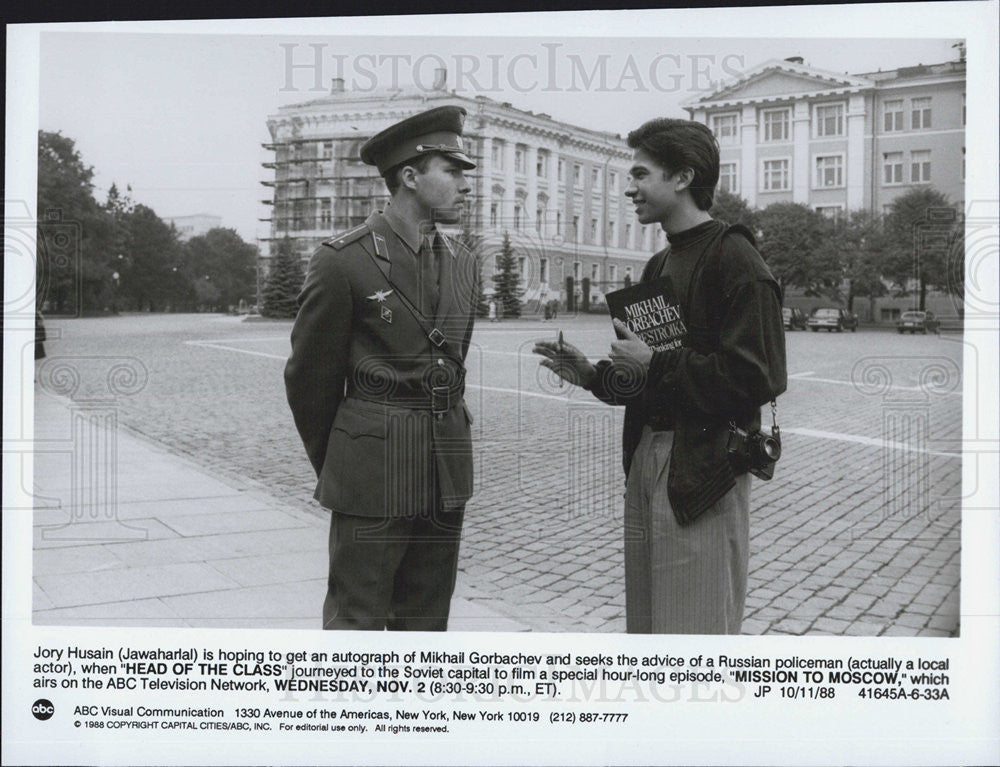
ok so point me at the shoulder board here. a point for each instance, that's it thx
(351, 235)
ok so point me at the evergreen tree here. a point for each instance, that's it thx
(284, 281)
(507, 281)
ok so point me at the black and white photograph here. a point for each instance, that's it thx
(594, 343)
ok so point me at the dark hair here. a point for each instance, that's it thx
(420, 162)
(679, 144)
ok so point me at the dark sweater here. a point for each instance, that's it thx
(731, 362)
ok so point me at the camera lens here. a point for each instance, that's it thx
(771, 448)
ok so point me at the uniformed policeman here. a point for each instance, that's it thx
(376, 380)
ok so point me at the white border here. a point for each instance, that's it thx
(938, 735)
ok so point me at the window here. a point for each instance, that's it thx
(611, 233)
(522, 267)
(595, 272)
(543, 271)
(612, 182)
(325, 212)
(539, 217)
(892, 116)
(628, 235)
(889, 314)
(576, 228)
(593, 230)
(327, 150)
(494, 210)
(920, 113)
(519, 155)
(577, 174)
(724, 127)
(542, 165)
(829, 171)
(892, 168)
(517, 217)
(576, 271)
(613, 272)
(628, 273)
(728, 181)
(830, 120)
(561, 169)
(775, 175)
(595, 177)
(830, 211)
(559, 230)
(776, 125)
(920, 167)
(497, 154)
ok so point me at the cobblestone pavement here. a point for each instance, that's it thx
(857, 534)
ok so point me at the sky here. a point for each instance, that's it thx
(181, 117)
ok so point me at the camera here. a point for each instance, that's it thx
(754, 451)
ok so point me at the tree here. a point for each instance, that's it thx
(860, 243)
(74, 232)
(228, 263)
(733, 209)
(507, 280)
(284, 281)
(150, 269)
(920, 231)
(794, 242)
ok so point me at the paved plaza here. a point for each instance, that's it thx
(211, 522)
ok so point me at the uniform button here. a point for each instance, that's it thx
(440, 362)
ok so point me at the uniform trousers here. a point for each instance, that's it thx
(682, 579)
(395, 573)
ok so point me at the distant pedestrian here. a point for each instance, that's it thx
(39, 337)
(492, 311)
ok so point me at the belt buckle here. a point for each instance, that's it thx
(439, 401)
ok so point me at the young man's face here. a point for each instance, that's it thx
(652, 189)
(441, 189)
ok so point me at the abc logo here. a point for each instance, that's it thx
(42, 709)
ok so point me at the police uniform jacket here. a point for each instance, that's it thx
(364, 378)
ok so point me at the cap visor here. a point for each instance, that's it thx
(462, 158)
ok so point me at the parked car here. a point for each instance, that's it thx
(794, 318)
(830, 319)
(918, 322)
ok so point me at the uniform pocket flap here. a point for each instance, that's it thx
(358, 423)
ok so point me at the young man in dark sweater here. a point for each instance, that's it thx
(687, 502)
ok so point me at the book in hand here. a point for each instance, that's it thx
(651, 311)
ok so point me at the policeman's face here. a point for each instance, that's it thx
(652, 188)
(442, 188)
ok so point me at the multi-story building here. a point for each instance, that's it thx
(839, 143)
(789, 132)
(194, 225)
(557, 189)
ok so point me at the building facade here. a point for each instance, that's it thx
(837, 142)
(556, 189)
(194, 225)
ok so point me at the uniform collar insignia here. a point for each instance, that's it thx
(380, 295)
